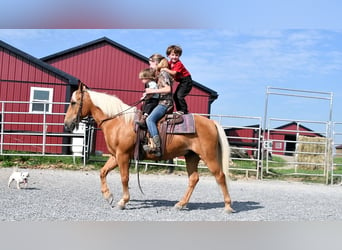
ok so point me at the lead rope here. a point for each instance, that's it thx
(138, 176)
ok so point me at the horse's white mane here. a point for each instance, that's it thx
(112, 105)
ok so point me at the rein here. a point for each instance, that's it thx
(121, 112)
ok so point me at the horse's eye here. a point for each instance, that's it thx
(73, 103)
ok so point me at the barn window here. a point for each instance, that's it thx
(41, 100)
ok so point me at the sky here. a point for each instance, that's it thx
(242, 55)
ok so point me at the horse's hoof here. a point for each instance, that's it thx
(110, 200)
(179, 207)
(121, 205)
(229, 210)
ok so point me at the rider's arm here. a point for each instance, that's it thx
(164, 90)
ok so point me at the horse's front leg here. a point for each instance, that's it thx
(191, 165)
(109, 166)
(124, 173)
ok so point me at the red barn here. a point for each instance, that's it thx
(33, 85)
(107, 66)
(285, 137)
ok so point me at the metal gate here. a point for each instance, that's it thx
(40, 134)
(337, 152)
(304, 151)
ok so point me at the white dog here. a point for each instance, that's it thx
(19, 177)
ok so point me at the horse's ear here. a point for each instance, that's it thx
(82, 86)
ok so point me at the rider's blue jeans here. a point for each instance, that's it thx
(154, 117)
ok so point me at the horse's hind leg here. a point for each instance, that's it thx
(109, 166)
(220, 177)
(192, 160)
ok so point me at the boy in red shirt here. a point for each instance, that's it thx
(181, 75)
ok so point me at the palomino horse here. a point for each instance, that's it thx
(116, 119)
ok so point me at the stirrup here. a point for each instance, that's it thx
(149, 150)
(152, 149)
(156, 152)
(150, 146)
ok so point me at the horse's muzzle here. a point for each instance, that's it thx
(69, 126)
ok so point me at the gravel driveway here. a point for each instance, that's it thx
(62, 195)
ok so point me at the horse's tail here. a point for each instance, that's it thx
(225, 149)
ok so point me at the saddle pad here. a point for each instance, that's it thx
(186, 127)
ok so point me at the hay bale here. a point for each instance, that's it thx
(310, 152)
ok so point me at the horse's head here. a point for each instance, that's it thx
(77, 108)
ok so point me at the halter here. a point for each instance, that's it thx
(78, 117)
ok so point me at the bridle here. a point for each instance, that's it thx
(78, 117)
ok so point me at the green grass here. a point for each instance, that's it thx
(338, 165)
(338, 160)
(247, 164)
(40, 161)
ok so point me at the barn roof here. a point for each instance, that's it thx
(213, 94)
(91, 44)
(69, 78)
(282, 127)
(301, 126)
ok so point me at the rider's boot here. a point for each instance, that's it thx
(153, 149)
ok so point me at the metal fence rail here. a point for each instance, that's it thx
(258, 147)
(13, 131)
(254, 146)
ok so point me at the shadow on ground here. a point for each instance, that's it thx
(238, 206)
